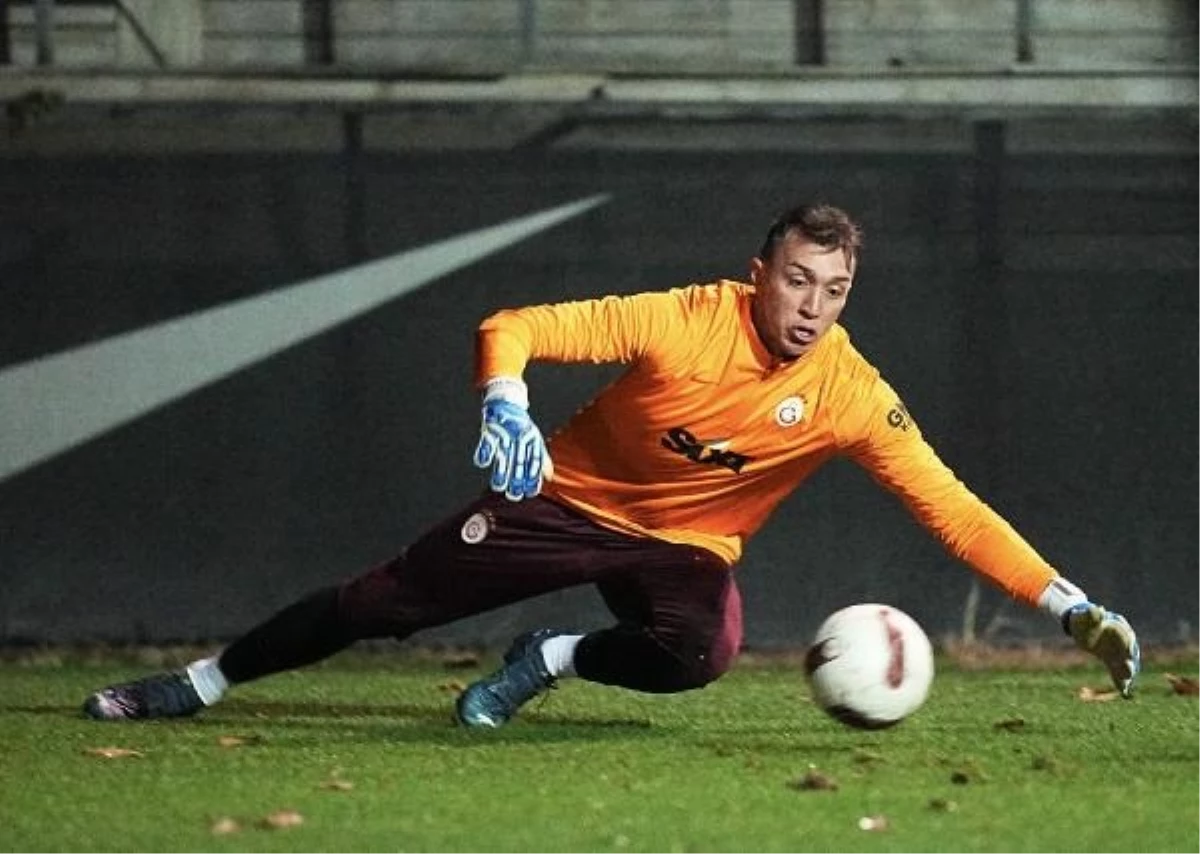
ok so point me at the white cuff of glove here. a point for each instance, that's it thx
(512, 389)
(1059, 596)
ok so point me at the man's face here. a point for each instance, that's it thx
(798, 294)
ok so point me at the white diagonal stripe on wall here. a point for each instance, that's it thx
(52, 404)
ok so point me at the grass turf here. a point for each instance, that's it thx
(361, 750)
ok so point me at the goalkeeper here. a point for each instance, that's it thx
(735, 394)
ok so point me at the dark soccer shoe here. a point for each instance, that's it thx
(495, 699)
(166, 695)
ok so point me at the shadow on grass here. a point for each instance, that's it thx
(803, 745)
(264, 711)
(400, 723)
(272, 710)
(366, 722)
(50, 709)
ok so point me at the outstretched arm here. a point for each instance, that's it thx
(889, 445)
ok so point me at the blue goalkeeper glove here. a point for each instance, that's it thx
(1110, 638)
(509, 442)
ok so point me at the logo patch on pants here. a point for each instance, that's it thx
(476, 528)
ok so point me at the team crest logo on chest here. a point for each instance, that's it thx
(790, 411)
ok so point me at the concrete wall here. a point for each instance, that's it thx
(266, 33)
(701, 36)
(1060, 385)
(983, 33)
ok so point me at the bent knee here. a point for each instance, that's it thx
(698, 672)
(689, 669)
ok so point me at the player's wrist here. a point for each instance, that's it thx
(510, 389)
(1059, 597)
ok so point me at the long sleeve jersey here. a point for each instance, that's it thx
(705, 433)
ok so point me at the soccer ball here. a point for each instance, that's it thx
(869, 666)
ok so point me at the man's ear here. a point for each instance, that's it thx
(757, 268)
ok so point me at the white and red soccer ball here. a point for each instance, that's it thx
(869, 666)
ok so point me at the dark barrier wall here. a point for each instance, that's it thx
(1046, 343)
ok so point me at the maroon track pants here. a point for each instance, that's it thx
(678, 610)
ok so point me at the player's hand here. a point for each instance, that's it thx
(1110, 638)
(509, 442)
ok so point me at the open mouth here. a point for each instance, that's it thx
(801, 335)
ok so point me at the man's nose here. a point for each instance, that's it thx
(810, 303)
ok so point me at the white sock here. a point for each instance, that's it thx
(559, 654)
(208, 680)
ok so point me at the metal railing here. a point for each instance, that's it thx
(45, 13)
(473, 35)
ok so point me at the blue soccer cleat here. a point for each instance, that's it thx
(494, 700)
(166, 695)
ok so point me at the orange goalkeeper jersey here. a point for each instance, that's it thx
(705, 433)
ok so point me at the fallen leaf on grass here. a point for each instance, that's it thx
(452, 687)
(942, 805)
(113, 752)
(238, 740)
(1097, 695)
(1183, 685)
(461, 662)
(814, 781)
(967, 770)
(1044, 763)
(867, 757)
(281, 819)
(1010, 724)
(224, 826)
(337, 785)
(873, 822)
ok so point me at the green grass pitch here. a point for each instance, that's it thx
(360, 754)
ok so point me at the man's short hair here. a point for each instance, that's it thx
(823, 224)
